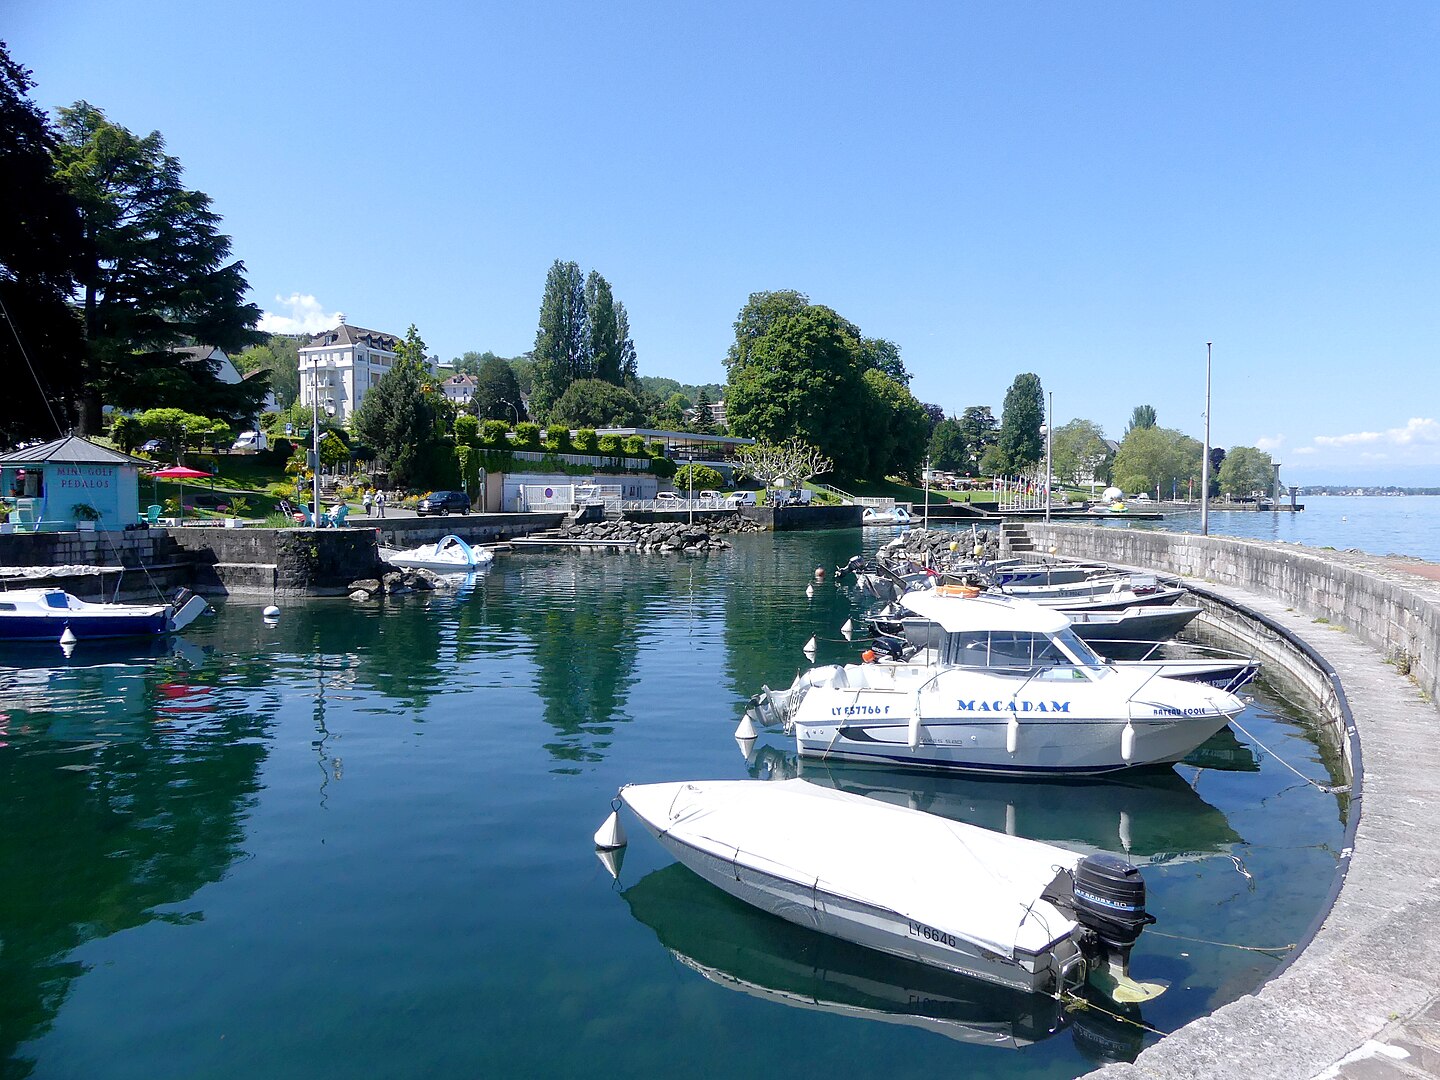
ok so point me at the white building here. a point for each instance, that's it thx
(459, 389)
(339, 367)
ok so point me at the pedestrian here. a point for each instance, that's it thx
(365, 501)
(380, 503)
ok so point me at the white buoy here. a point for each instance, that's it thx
(1009, 819)
(1125, 831)
(271, 612)
(810, 591)
(68, 648)
(1012, 734)
(612, 860)
(809, 649)
(848, 630)
(1127, 742)
(68, 637)
(747, 749)
(746, 727)
(610, 835)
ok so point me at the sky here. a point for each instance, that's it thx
(1091, 192)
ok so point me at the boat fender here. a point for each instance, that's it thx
(868, 656)
(1127, 742)
(1012, 734)
(67, 636)
(746, 729)
(610, 835)
(969, 592)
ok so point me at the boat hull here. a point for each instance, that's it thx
(872, 927)
(48, 627)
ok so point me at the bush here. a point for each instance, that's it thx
(467, 430)
(635, 445)
(610, 445)
(698, 476)
(493, 435)
(656, 449)
(527, 435)
(557, 438)
(662, 467)
(586, 441)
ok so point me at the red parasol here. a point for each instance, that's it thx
(179, 472)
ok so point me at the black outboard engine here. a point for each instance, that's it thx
(1109, 897)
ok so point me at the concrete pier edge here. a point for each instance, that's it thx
(1361, 999)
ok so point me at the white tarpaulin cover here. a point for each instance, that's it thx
(977, 884)
(1002, 614)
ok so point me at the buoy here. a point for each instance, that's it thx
(868, 656)
(747, 749)
(612, 861)
(610, 835)
(746, 727)
(271, 612)
(848, 630)
(1127, 741)
(809, 649)
(1012, 734)
(1125, 831)
(810, 591)
(68, 637)
(1010, 819)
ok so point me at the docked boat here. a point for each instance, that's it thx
(448, 555)
(1018, 913)
(1007, 688)
(55, 615)
(894, 515)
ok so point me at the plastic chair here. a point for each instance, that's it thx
(338, 515)
(152, 514)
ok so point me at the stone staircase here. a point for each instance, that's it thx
(1014, 540)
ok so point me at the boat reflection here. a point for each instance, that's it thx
(735, 946)
(1223, 752)
(1148, 817)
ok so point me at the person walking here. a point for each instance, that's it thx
(380, 503)
(365, 501)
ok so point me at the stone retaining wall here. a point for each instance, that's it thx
(279, 561)
(408, 532)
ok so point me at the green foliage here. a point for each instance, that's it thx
(702, 424)
(899, 428)
(161, 276)
(948, 449)
(467, 430)
(527, 436)
(662, 467)
(177, 429)
(127, 433)
(557, 438)
(755, 320)
(497, 392)
(83, 511)
(1156, 457)
(877, 354)
(610, 445)
(494, 435)
(403, 418)
(279, 357)
(698, 478)
(1079, 453)
(562, 342)
(586, 441)
(333, 449)
(1246, 471)
(612, 353)
(596, 403)
(655, 449)
(634, 445)
(1020, 443)
(468, 460)
(1142, 416)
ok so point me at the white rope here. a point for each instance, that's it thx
(1328, 789)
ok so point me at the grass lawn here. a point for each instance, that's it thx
(894, 489)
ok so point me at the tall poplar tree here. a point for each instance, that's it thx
(563, 351)
(160, 275)
(1020, 444)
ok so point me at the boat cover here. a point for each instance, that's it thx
(1001, 614)
(977, 884)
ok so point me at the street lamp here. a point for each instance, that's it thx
(315, 438)
(513, 406)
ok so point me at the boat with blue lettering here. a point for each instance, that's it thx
(49, 614)
(1006, 687)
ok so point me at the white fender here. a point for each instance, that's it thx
(610, 835)
(809, 649)
(746, 727)
(1127, 742)
(1012, 734)
(1125, 831)
(848, 630)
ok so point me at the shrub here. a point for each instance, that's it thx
(610, 445)
(655, 449)
(493, 435)
(586, 441)
(698, 476)
(635, 445)
(467, 429)
(527, 435)
(662, 467)
(557, 438)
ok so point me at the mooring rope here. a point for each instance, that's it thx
(1223, 944)
(1328, 789)
(1072, 1000)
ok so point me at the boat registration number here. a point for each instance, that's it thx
(929, 933)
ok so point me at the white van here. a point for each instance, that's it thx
(741, 498)
(249, 441)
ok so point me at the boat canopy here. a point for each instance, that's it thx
(984, 612)
(977, 884)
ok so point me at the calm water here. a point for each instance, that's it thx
(1379, 525)
(358, 843)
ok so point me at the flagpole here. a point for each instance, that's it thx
(1205, 460)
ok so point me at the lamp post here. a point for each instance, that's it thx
(1049, 435)
(513, 406)
(315, 438)
(1205, 459)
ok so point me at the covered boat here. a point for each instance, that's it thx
(1010, 911)
(55, 615)
(448, 555)
(1007, 688)
(892, 515)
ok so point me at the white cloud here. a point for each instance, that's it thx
(1269, 443)
(306, 316)
(1417, 431)
(1306, 450)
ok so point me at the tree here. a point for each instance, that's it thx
(611, 350)
(562, 341)
(755, 319)
(1246, 471)
(799, 378)
(1079, 452)
(884, 356)
(497, 393)
(704, 423)
(1142, 416)
(1217, 459)
(948, 449)
(1020, 443)
(471, 363)
(159, 275)
(176, 429)
(596, 403)
(899, 429)
(698, 478)
(791, 462)
(1156, 457)
(42, 257)
(403, 417)
(280, 357)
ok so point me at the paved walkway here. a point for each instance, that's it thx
(1362, 1001)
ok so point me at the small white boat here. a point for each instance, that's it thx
(448, 555)
(894, 515)
(1007, 689)
(1011, 911)
(56, 615)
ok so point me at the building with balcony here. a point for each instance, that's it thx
(338, 367)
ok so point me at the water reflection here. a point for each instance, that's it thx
(739, 948)
(1148, 817)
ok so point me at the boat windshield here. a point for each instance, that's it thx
(1081, 653)
(1061, 656)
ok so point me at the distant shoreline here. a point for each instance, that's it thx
(1363, 489)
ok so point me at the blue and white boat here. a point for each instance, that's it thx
(50, 614)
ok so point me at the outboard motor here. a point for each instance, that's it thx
(1109, 899)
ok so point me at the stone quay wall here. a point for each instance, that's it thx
(279, 561)
(1396, 620)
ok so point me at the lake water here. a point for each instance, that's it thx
(1378, 525)
(358, 843)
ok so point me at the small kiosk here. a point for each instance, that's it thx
(70, 484)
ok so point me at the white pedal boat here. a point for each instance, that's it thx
(448, 555)
(1010, 911)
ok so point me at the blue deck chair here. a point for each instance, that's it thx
(152, 514)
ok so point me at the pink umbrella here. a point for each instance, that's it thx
(180, 472)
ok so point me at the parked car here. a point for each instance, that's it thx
(710, 496)
(667, 496)
(442, 502)
(250, 440)
(742, 498)
(790, 496)
(150, 446)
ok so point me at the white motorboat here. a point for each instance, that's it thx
(1007, 689)
(1011, 911)
(448, 555)
(55, 615)
(894, 515)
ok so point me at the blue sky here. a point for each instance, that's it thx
(1090, 192)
